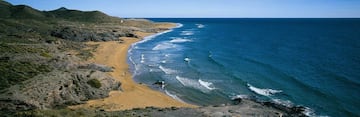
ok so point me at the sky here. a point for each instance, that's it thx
(208, 8)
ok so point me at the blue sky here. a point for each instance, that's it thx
(208, 8)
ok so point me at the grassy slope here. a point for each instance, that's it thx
(26, 33)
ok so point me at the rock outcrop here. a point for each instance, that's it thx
(57, 89)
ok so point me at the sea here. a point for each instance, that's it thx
(314, 63)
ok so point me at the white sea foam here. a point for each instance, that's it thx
(194, 84)
(186, 81)
(131, 60)
(200, 25)
(179, 25)
(311, 113)
(136, 67)
(167, 70)
(187, 33)
(173, 96)
(163, 46)
(180, 40)
(187, 59)
(207, 85)
(163, 61)
(142, 58)
(286, 103)
(308, 111)
(240, 96)
(264, 92)
(147, 38)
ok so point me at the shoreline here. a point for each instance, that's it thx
(141, 97)
(133, 95)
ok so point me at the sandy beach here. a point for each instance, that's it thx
(133, 95)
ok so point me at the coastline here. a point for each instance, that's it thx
(133, 95)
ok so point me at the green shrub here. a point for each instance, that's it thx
(85, 54)
(45, 54)
(14, 72)
(94, 83)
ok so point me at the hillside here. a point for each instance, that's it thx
(43, 58)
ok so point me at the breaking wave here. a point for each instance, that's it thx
(173, 96)
(180, 40)
(167, 70)
(186, 33)
(187, 59)
(142, 58)
(163, 46)
(200, 25)
(207, 85)
(264, 92)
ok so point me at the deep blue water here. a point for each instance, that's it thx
(310, 62)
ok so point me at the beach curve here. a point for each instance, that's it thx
(132, 95)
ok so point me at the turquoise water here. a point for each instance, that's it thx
(310, 62)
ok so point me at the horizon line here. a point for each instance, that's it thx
(242, 17)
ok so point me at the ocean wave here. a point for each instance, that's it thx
(132, 61)
(185, 81)
(186, 33)
(180, 40)
(200, 25)
(211, 59)
(173, 96)
(147, 38)
(240, 96)
(142, 58)
(264, 92)
(179, 25)
(207, 85)
(194, 84)
(163, 46)
(187, 59)
(150, 37)
(311, 113)
(167, 70)
(136, 67)
(286, 103)
(308, 111)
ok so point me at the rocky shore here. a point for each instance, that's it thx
(246, 108)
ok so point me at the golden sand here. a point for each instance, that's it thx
(133, 95)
